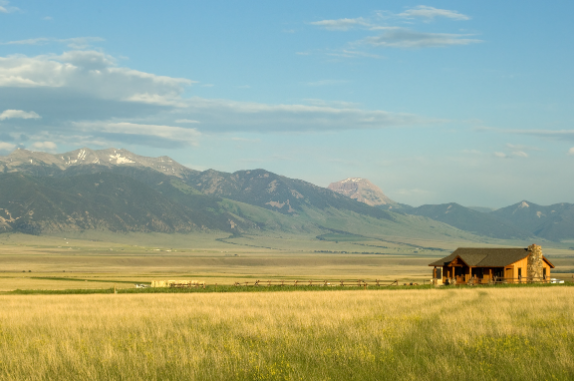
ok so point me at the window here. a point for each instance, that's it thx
(438, 274)
(520, 273)
(544, 274)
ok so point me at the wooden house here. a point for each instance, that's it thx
(486, 265)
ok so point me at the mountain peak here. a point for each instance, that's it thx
(361, 190)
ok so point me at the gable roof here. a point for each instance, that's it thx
(486, 257)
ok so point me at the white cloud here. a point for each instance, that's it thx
(341, 24)
(430, 13)
(395, 37)
(88, 72)
(571, 151)
(519, 154)
(513, 154)
(6, 8)
(175, 135)
(18, 114)
(85, 96)
(349, 53)
(45, 146)
(7, 146)
(75, 43)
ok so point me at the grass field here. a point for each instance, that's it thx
(89, 333)
(465, 334)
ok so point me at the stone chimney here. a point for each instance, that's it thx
(535, 264)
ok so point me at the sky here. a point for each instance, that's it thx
(434, 102)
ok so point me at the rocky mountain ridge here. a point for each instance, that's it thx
(362, 190)
(22, 160)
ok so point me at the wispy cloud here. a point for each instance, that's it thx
(5, 7)
(152, 135)
(522, 147)
(341, 24)
(74, 43)
(550, 134)
(4, 146)
(45, 146)
(351, 53)
(571, 151)
(246, 140)
(327, 82)
(430, 13)
(513, 154)
(395, 37)
(18, 114)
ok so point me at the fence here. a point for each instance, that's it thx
(501, 280)
(324, 283)
(361, 283)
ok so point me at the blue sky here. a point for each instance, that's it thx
(464, 101)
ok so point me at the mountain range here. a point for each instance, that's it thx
(116, 190)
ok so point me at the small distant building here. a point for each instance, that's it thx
(485, 265)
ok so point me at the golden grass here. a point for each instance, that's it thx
(466, 334)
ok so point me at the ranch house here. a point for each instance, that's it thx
(485, 265)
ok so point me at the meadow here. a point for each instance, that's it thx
(87, 332)
(458, 334)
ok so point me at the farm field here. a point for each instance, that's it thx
(106, 261)
(458, 334)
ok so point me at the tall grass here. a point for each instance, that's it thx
(464, 334)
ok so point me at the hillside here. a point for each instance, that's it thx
(100, 201)
(553, 222)
(471, 220)
(278, 193)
